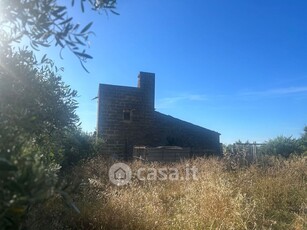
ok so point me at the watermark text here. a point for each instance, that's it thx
(121, 174)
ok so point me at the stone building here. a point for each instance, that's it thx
(127, 118)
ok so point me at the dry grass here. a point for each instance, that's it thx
(270, 197)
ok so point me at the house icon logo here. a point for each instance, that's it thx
(120, 174)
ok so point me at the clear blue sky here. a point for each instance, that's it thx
(237, 67)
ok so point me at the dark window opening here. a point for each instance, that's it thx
(127, 116)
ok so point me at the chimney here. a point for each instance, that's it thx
(147, 84)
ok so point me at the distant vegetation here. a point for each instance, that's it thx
(242, 154)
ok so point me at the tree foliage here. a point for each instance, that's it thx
(304, 141)
(46, 22)
(34, 103)
(38, 123)
(24, 180)
(37, 111)
(283, 146)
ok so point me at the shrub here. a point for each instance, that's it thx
(36, 111)
(283, 146)
(77, 146)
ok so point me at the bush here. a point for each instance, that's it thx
(36, 111)
(24, 180)
(77, 146)
(283, 146)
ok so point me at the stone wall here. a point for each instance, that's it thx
(171, 131)
(126, 118)
(115, 102)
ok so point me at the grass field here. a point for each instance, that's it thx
(269, 195)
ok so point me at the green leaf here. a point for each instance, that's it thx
(70, 43)
(58, 42)
(84, 55)
(82, 6)
(114, 12)
(86, 27)
(61, 16)
(59, 9)
(83, 68)
(76, 26)
(66, 21)
(43, 58)
(79, 41)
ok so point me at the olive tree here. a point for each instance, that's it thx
(44, 23)
(37, 110)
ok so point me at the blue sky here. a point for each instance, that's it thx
(237, 67)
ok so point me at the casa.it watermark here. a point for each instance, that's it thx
(121, 174)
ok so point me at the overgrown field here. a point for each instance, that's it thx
(269, 195)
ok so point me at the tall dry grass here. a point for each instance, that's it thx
(273, 196)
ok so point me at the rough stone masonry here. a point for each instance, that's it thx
(127, 118)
